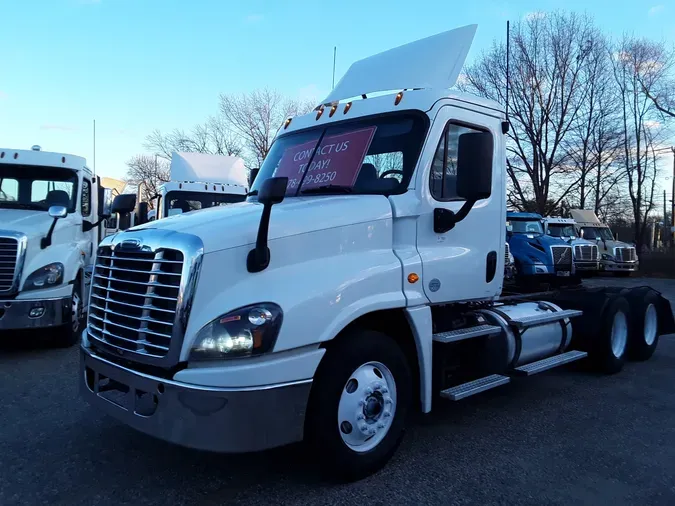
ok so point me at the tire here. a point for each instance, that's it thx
(645, 326)
(371, 367)
(608, 353)
(69, 334)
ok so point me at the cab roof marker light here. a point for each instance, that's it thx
(332, 110)
(288, 122)
(399, 97)
(318, 114)
(63, 159)
(2, 155)
(348, 106)
(16, 155)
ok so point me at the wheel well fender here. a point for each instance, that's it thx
(396, 324)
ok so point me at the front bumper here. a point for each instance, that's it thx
(607, 265)
(231, 420)
(586, 266)
(16, 314)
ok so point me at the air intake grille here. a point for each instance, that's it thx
(134, 299)
(626, 254)
(562, 257)
(586, 253)
(9, 250)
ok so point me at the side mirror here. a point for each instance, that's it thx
(124, 203)
(57, 212)
(106, 204)
(474, 165)
(272, 192)
(474, 178)
(141, 213)
(252, 174)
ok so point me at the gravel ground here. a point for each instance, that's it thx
(565, 437)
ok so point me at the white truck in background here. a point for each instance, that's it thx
(198, 181)
(361, 280)
(51, 212)
(615, 256)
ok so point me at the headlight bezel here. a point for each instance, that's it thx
(55, 270)
(608, 257)
(247, 331)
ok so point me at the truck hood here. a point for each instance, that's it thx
(543, 241)
(31, 223)
(610, 245)
(235, 225)
(527, 247)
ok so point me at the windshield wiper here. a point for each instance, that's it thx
(252, 193)
(329, 188)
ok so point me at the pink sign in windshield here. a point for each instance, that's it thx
(337, 160)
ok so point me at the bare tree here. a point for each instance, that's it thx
(214, 136)
(255, 117)
(641, 130)
(148, 173)
(656, 76)
(548, 56)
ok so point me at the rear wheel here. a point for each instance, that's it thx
(645, 326)
(609, 350)
(358, 405)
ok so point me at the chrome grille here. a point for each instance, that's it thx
(586, 253)
(9, 253)
(134, 299)
(506, 254)
(625, 254)
(562, 257)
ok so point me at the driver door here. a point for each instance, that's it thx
(466, 262)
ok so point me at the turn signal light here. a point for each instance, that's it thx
(413, 278)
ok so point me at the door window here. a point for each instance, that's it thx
(443, 177)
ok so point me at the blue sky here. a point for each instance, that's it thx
(136, 65)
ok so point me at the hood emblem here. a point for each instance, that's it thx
(130, 244)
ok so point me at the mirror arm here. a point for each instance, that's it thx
(46, 241)
(259, 257)
(445, 220)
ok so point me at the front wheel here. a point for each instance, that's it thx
(358, 405)
(68, 334)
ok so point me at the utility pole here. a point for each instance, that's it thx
(672, 206)
(665, 218)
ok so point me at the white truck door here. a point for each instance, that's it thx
(466, 262)
(87, 238)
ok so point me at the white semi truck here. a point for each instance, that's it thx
(198, 181)
(51, 210)
(585, 253)
(360, 281)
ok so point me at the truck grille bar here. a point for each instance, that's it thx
(134, 299)
(586, 253)
(562, 258)
(625, 254)
(12, 253)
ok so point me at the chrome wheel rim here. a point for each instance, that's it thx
(651, 324)
(367, 406)
(76, 312)
(619, 334)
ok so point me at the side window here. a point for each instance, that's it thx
(443, 178)
(86, 197)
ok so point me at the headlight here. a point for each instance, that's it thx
(251, 330)
(45, 277)
(605, 256)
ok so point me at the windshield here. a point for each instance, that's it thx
(37, 188)
(561, 230)
(375, 155)
(526, 227)
(593, 233)
(177, 202)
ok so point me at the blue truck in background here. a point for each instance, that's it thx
(539, 258)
